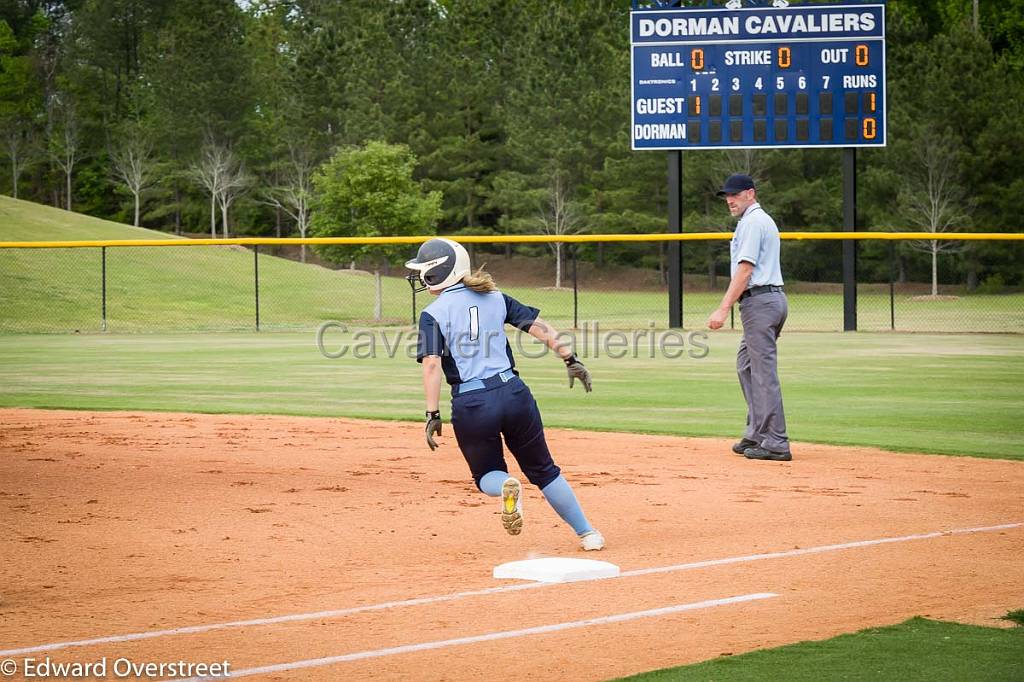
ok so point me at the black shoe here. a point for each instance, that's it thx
(765, 453)
(743, 445)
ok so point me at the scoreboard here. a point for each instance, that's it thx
(718, 78)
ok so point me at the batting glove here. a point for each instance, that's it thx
(433, 428)
(577, 371)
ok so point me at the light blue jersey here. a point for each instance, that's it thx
(467, 330)
(756, 241)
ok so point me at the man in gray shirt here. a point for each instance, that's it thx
(757, 284)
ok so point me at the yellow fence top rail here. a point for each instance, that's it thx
(517, 239)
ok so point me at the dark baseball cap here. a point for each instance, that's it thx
(735, 184)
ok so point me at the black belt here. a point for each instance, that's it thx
(757, 291)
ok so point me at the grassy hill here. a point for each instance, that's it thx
(166, 288)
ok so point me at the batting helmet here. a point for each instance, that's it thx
(439, 264)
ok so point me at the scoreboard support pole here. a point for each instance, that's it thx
(675, 248)
(849, 245)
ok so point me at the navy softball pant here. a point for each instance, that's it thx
(481, 418)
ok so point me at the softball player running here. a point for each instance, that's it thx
(462, 335)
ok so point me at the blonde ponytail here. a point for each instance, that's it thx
(480, 281)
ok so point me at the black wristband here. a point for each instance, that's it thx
(571, 359)
(436, 414)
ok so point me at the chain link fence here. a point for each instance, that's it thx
(599, 285)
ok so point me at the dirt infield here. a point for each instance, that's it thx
(125, 523)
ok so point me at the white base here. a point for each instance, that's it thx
(556, 570)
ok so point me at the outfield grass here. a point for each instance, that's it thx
(918, 649)
(165, 289)
(923, 393)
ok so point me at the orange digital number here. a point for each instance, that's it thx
(870, 128)
(871, 101)
(785, 57)
(696, 105)
(697, 59)
(860, 55)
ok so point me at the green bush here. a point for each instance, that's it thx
(993, 284)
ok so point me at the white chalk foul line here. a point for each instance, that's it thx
(490, 637)
(815, 550)
(338, 613)
(316, 615)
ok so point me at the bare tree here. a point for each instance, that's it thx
(560, 217)
(65, 146)
(932, 196)
(16, 144)
(296, 189)
(236, 180)
(747, 161)
(49, 59)
(210, 172)
(134, 165)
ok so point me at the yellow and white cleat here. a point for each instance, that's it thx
(512, 506)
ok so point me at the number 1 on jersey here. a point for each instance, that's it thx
(474, 323)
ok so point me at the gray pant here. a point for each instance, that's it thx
(763, 317)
